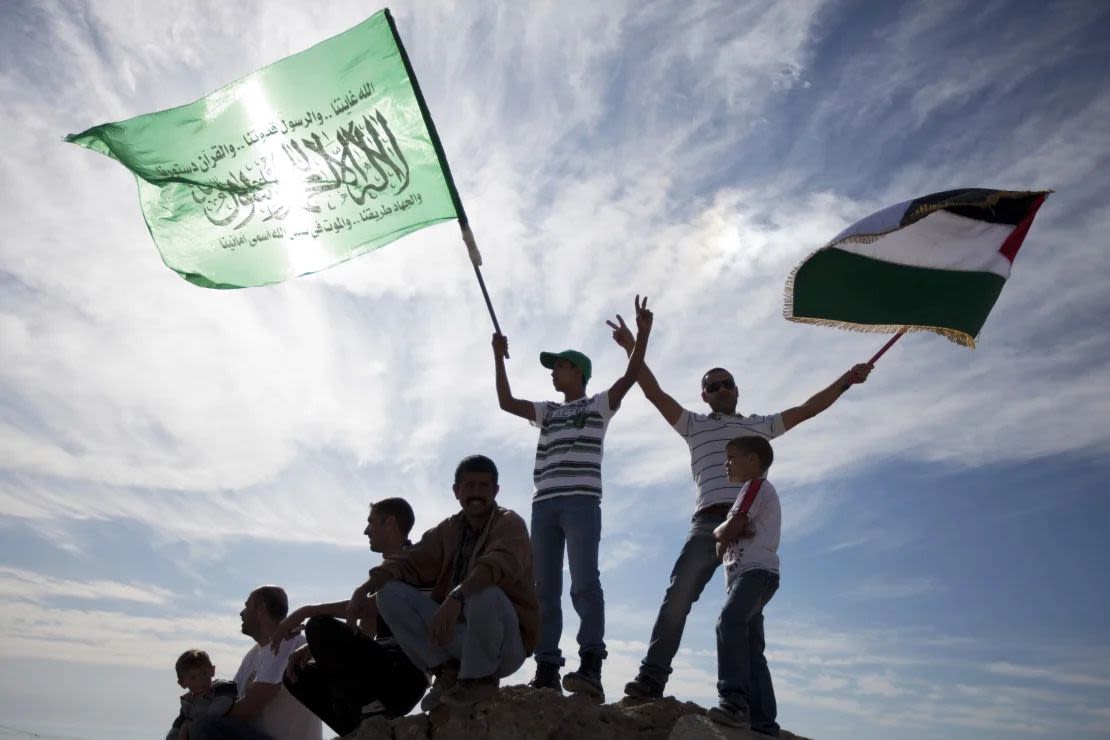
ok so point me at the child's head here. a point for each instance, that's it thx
(195, 671)
(747, 458)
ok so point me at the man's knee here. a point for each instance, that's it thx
(489, 600)
(319, 626)
(390, 597)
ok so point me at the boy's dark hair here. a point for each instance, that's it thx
(757, 445)
(397, 508)
(476, 464)
(191, 659)
(710, 371)
(274, 600)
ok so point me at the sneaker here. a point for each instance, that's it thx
(643, 687)
(445, 679)
(547, 677)
(729, 715)
(469, 691)
(587, 679)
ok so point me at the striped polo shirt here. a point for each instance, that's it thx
(707, 435)
(568, 455)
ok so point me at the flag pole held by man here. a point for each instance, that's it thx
(308, 162)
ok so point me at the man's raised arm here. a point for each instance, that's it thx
(636, 359)
(517, 406)
(827, 397)
(668, 407)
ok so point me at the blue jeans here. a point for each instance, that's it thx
(573, 522)
(743, 679)
(696, 564)
(211, 727)
(486, 641)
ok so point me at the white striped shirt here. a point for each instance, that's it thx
(568, 455)
(707, 435)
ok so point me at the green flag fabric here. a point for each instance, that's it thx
(313, 160)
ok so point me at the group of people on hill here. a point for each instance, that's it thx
(480, 592)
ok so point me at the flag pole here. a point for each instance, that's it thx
(476, 261)
(880, 353)
(464, 223)
(886, 346)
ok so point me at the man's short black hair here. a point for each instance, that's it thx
(274, 600)
(476, 464)
(710, 371)
(757, 445)
(397, 508)
(191, 659)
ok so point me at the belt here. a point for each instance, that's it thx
(716, 510)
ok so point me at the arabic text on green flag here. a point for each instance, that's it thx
(320, 157)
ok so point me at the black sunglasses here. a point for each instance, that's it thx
(727, 383)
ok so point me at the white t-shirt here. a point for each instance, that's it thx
(761, 551)
(707, 435)
(568, 454)
(284, 718)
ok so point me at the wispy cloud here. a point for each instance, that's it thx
(907, 588)
(32, 586)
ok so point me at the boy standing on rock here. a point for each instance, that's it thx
(749, 541)
(566, 506)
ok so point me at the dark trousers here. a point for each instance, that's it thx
(350, 671)
(744, 681)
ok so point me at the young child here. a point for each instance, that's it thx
(749, 541)
(566, 505)
(203, 696)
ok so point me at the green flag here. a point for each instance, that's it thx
(311, 161)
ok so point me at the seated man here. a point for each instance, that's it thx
(345, 676)
(264, 710)
(481, 620)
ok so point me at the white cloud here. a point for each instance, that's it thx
(32, 586)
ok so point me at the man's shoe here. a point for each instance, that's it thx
(587, 679)
(446, 677)
(469, 691)
(547, 677)
(730, 716)
(643, 687)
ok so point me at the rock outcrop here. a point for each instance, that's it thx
(524, 713)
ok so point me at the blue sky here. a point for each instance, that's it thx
(166, 448)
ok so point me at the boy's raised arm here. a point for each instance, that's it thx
(644, 319)
(519, 407)
(667, 406)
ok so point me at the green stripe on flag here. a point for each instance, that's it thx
(313, 160)
(836, 286)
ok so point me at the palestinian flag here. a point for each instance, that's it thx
(935, 263)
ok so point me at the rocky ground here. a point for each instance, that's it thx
(523, 713)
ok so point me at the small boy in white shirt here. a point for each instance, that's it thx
(749, 541)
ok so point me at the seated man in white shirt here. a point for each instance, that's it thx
(264, 710)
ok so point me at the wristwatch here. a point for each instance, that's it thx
(456, 594)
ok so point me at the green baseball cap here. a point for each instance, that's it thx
(579, 360)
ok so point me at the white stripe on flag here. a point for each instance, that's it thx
(942, 241)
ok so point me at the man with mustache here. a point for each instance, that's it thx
(481, 619)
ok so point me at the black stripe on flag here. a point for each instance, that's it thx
(981, 204)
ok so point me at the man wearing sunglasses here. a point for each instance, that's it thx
(707, 435)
